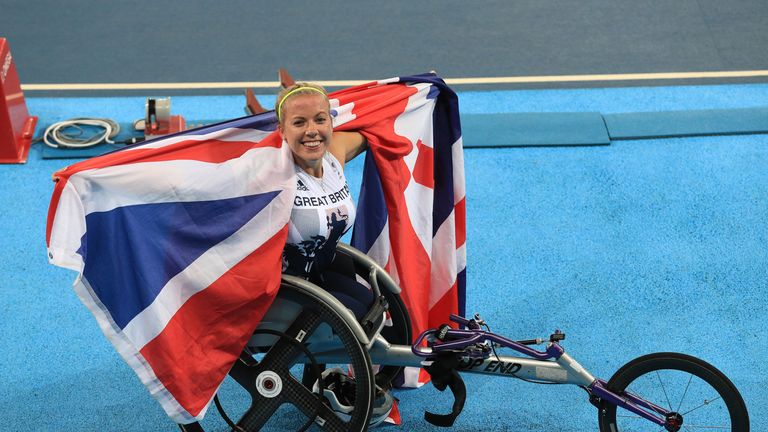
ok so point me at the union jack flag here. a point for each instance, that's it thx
(177, 242)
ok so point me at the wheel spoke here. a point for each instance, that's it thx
(311, 405)
(260, 412)
(262, 408)
(301, 397)
(690, 378)
(284, 352)
(706, 402)
(664, 389)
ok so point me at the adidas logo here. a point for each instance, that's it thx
(300, 186)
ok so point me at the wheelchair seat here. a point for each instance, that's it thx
(351, 263)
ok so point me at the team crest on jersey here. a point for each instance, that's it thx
(337, 171)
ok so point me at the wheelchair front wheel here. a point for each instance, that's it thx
(699, 396)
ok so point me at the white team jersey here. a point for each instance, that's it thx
(323, 211)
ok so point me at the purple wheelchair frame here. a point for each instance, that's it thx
(553, 365)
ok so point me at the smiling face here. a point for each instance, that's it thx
(305, 124)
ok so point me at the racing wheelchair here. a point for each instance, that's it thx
(308, 327)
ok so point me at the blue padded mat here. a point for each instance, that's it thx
(533, 129)
(667, 124)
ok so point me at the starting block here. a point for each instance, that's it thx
(16, 125)
(158, 120)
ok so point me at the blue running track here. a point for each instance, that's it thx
(640, 246)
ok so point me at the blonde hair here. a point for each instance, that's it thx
(297, 89)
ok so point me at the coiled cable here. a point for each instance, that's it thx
(57, 136)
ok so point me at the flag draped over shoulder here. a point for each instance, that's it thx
(177, 242)
(411, 209)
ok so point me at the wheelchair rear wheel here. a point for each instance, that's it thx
(271, 383)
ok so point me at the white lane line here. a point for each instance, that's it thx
(610, 77)
(450, 81)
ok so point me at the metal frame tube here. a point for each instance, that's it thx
(631, 403)
(564, 371)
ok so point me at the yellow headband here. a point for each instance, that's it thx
(297, 89)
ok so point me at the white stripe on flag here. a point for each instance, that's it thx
(388, 81)
(419, 202)
(67, 230)
(380, 248)
(459, 188)
(416, 124)
(443, 260)
(411, 377)
(461, 258)
(344, 112)
(227, 134)
(180, 180)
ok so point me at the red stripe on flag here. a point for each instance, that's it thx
(424, 169)
(460, 215)
(52, 207)
(394, 415)
(411, 260)
(212, 151)
(374, 105)
(200, 343)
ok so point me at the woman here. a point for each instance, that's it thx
(323, 209)
(322, 212)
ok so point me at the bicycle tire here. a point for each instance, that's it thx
(707, 398)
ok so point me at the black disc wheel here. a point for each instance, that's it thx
(697, 395)
(271, 382)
